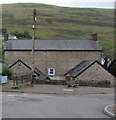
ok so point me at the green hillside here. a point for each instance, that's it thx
(62, 22)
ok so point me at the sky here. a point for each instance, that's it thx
(68, 3)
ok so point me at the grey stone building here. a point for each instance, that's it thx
(57, 59)
(53, 57)
(91, 73)
(22, 68)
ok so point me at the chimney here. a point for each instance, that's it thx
(94, 36)
(6, 37)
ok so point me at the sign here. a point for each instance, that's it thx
(3, 79)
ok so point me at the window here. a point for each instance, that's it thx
(51, 71)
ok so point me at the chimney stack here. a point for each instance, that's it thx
(94, 36)
(6, 37)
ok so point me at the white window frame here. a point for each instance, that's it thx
(51, 71)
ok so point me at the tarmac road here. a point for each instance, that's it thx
(22, 105)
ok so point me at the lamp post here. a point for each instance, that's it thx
(33, 45)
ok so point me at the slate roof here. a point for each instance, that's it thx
(80, 68)
(36, 71)
(112, 68)
(40, 74)
(17, 61)
(52, 45)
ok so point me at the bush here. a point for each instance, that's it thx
(7, 72)
(15, 87)
(20, 35)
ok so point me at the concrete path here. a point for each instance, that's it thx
(59, 89)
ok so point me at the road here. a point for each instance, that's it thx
(21, 105)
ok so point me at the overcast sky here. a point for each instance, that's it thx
(69, 3)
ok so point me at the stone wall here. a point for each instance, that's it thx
(51, 82)
(95, 75)
(20, 70)
(62, 61)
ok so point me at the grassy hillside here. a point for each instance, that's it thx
(61, 22)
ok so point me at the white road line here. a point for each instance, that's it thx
(68, 90)
(107, 112)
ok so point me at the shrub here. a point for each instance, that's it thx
(15, 87)
(7, 72)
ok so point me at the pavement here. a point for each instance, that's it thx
(58, 89)
(64, 90)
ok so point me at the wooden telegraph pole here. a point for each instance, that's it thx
(33, 45)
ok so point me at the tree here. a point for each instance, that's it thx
(26, 34)
(21, 35)
(7, 72)
(4, 31)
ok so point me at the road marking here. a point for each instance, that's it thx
(11, 95)
(24, 94)
(109, 113)
(68, 90)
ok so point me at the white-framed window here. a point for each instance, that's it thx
(51, 71)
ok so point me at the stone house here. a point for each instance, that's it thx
(91, 73)
(52, 57)
(21, 68)
(55, 59)
(8, 37)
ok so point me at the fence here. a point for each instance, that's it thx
(21, 79)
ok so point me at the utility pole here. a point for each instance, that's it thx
(33, 45)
